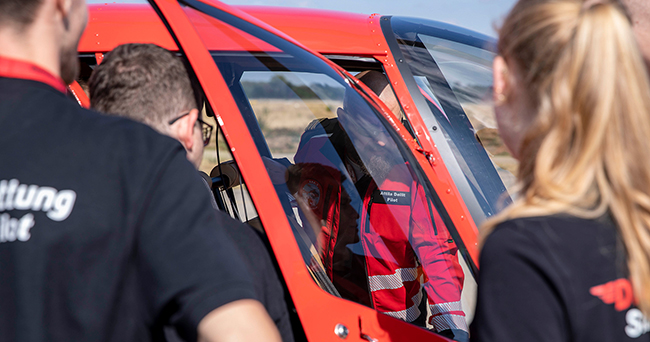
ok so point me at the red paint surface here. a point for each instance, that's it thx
(114, 24)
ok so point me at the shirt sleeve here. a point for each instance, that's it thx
(439, 257)
(518, 298)
(187, 264)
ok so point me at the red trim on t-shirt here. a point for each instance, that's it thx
(14, 68)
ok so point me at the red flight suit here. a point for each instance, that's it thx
(406, 244)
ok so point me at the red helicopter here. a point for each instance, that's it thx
(297, 129)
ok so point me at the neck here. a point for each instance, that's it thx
(36, 45)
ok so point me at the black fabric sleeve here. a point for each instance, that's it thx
(518, 296)
(255, 250)
(188, 266)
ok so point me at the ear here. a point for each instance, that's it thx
(64, 7)
(184, 129)
(501, 80)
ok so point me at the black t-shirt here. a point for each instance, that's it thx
(106, 231)
(557, 278)
(254, 247)
(268, 287)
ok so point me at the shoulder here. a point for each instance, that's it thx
(558, 221)
(114, 139)
(519, 238)
(251, 244)
(60, 113)
(119, 149)
(556, 230)
(47, 126)
(518, 273)
(555, 242)
(514, 261)
(511, 238)
(244, 235)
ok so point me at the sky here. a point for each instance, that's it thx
(477, 15)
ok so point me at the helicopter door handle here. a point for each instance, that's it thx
(368, 338)
(369, 327)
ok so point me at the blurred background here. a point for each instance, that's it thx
(477, 15)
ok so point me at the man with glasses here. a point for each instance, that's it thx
(206, 128)
(149, 84)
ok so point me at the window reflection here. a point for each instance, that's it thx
(380, 239)
(452, 89)
(468, 71)
(366, 224)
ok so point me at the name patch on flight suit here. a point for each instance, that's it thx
(391, 197)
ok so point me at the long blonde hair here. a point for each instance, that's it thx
(586, 151)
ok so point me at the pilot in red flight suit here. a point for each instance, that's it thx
(404, 244)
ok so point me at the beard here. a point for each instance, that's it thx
(377, 164)
(69, 64)
(380, 166)
(74, 24)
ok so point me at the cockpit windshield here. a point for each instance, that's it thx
(451, 69)
(369, 224)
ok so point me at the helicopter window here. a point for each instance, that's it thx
(370, 227)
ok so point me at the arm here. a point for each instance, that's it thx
(233, 322)
(517, 297)
(429, 240)
(187, 264)
(438, 254)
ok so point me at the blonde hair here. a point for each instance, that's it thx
(584, 152)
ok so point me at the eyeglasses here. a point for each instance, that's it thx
(206, 128)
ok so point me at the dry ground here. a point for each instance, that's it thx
(283, 122)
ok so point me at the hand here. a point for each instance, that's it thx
(456, 334)
(241, 320)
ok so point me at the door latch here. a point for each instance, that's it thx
(429, 155)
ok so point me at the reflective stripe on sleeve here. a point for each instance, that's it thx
(442, 308)
(410, 314)
(392, 281)
(447, 321)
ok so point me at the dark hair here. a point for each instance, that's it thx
(143, 82)
(18, 13)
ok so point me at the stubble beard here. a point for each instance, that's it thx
(69, 64)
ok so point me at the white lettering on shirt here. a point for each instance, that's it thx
(12, 229)
(15, 196)
(393, 193)
(637, 323)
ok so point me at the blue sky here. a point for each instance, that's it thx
(478, 15)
